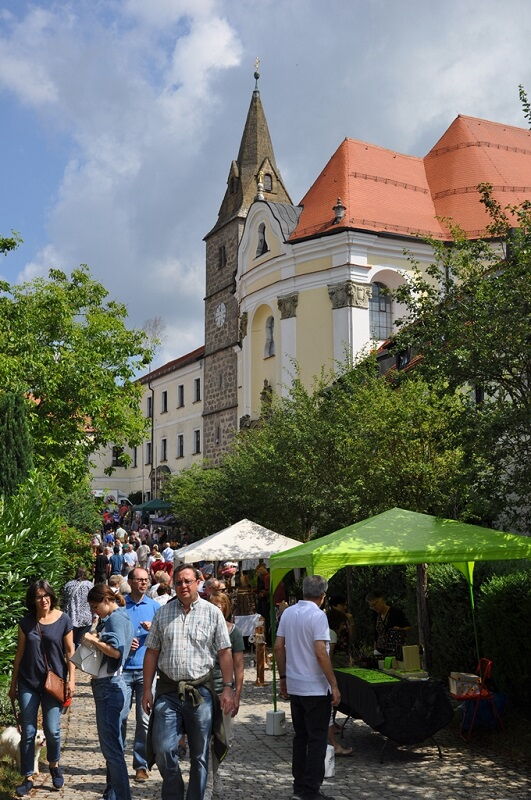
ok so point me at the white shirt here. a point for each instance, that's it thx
(131, 558)
(301, 626)
(168, 555)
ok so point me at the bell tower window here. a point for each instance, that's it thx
(268, 182)
(222, 257)
(262, 243)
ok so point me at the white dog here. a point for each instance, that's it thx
(10, 746)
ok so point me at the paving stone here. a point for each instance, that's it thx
(259, 766)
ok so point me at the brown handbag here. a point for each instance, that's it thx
(54, 685)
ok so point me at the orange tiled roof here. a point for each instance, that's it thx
(385, 191)
(476, 151)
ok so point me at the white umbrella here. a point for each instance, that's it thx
(243, 540)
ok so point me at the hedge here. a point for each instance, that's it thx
(504, 615)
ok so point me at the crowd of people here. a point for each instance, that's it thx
(168, 646)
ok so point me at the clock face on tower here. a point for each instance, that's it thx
(220, 314)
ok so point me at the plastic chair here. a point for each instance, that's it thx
(484, 671)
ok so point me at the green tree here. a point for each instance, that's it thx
(199, 500)
(468, 315)
(15, 442)
(336, 453)
(8, 243)
(78, 507)
(65, 345)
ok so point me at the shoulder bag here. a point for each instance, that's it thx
(54, 685)
(87, 659)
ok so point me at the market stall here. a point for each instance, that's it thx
(243, 540)
(398, 536)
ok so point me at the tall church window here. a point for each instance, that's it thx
(268, 182)
(269, 349)
(262, 243)
(380, 312)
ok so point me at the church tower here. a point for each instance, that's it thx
(220, 398)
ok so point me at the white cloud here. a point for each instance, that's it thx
(146, 95)
(137, 123)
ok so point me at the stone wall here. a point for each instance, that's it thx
(218, 431)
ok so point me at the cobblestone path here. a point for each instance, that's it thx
(258, 766)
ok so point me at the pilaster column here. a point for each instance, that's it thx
(350, 314)
(287, 305)
(244, 366)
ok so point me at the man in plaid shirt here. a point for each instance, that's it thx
(185, 637)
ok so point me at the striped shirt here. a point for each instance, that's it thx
(188, 643)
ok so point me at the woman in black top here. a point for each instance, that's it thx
(101, 566)
(44, 641)
(390, 625)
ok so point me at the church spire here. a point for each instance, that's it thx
(255, 154)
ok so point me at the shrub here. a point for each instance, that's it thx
(452, 631)
(6, 710)
(76, 552)
(504, 611)
(30, 548)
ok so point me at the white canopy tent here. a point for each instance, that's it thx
(243, 540)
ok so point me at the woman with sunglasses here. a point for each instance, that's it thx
(45, 642)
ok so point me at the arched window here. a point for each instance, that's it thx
(269, 349)
(380, 314)
(268, 182)
(262, 244)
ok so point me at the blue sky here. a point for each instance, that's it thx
(120, 118)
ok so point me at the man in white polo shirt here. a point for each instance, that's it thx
(307, 676)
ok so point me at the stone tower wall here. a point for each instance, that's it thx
(220, 397)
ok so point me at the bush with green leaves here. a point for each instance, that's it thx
(30, 548)
(76, 552)
(504, 612)
(450, 612)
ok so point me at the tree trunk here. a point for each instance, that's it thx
(422, 613)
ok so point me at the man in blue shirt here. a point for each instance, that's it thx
(116, 561)
(140, 609)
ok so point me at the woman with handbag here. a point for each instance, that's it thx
(113, 637)
(42, 666)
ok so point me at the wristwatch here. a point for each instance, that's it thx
(229, 685)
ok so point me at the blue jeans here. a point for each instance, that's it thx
(134, 687)
(29, 700)
(109, 696)
(171, 719)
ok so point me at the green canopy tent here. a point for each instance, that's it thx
(401, 537)
(154, 505)
(398, 536)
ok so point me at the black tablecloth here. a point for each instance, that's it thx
(408, 712)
